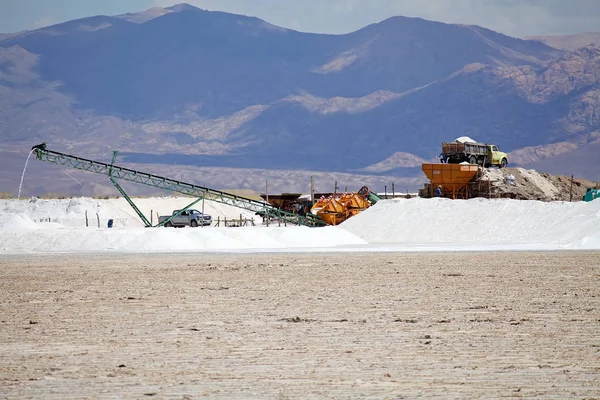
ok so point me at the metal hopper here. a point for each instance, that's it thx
(453, 178)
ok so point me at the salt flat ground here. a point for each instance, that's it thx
(378, 325)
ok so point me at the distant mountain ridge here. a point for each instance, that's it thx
(185, 85)
(569, 42)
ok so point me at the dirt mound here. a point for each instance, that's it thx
(520, 183)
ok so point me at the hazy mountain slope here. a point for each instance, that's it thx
(188, 86)
(467, 104)
(402, 53)
(145, 16)
(222, 63)
(513, 107)
(569, 42)
(582, 161)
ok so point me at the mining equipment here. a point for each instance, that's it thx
(450, 180)
(337, 208)
(115, 173)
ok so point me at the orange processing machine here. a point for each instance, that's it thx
(337, 208)
(453, 179)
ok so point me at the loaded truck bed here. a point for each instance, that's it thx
(474, 153)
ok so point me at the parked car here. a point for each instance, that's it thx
(191, 218)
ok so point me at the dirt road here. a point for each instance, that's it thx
(279, 326)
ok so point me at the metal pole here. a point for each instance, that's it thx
(267, 197)
(394, 190)
(203, 211)
(385, 190)
(312, 190)
(571, 190)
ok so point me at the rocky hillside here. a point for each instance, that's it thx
(568, 87)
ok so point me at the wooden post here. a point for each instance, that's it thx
(385, 190)
(86, 219)
(571, 190)
(98, 218)
(267, 197)
(312, 190)
(394, 190)
(151, 214)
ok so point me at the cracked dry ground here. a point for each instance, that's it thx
(380, 325)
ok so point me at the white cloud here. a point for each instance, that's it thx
(513, 17)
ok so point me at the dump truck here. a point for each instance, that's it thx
(191, 218)
(474, 153)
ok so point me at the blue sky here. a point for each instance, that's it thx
(513, 17)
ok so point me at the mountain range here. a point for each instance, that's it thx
(185, 86)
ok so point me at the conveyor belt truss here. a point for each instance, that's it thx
(114, 172)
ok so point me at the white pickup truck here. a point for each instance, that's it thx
(191, 218)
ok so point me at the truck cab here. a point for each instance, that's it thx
(498, 157)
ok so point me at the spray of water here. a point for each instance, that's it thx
(23, 174)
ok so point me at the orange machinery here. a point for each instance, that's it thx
(335, 209)
(453, 178)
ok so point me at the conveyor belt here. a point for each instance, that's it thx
(161, 182)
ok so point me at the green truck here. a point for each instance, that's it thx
(474, 153)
